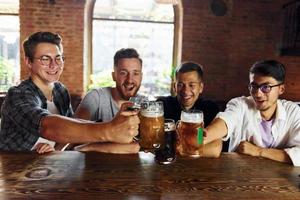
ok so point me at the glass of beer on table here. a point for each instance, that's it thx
(151, 125)
(190, 133)
(167, 153)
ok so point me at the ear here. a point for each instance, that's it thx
(174, 87)
(201, 87)
(281, 89)
(113, 75)
(28, 62)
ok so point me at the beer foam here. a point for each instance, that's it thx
(146, 113)
(191, 117)
(170, 126)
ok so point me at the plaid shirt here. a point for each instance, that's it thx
(22, 113)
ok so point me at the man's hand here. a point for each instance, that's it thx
(205, 138)
(249, 149)
(125, 125)
(44, 148)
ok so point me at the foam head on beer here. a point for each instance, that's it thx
(152, 109)
(192, 117)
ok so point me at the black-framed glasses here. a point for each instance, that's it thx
(265, 88)
(47, 60)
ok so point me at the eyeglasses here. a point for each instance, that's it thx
(47, 60)
(265, 88)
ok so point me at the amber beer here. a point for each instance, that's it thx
(151, 125)
(190, 134)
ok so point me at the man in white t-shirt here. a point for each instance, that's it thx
(261, 125)
(102, 104)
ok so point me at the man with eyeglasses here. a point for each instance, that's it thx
(261, 125)
(38, 110)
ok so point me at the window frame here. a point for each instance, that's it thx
(290, 42)
(88, 37)
(3, 93)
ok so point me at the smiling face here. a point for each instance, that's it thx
(266, 103)
(188, 87)
(42, 74)
(128, 77)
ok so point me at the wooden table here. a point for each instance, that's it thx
(74, 175)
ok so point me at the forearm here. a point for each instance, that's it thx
(66, 130)
(275, 154)
(213, 149)
(110, 148)
(82, 113)
(216, 130)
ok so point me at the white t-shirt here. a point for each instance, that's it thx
(100, 104)
(243, 121)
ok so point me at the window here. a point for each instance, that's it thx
(9, 44)
(290, 44)
(141, 24)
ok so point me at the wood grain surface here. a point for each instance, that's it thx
(75, 175)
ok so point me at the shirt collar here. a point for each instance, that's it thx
(37, 89)
(280, 111)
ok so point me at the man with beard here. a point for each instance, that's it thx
(102, 104)
(261, 125)
(39, 108)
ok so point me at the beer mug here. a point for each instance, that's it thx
(167, 153)
(170, 135)
(151, 125)
(190, 133)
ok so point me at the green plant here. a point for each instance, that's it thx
(6, 74)
(101, 79)
(160, 85)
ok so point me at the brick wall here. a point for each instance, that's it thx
(226, 46)
(66, 18)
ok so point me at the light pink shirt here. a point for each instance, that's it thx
(266, 133)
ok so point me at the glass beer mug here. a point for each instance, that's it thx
(167, 153)
(190, 133)
(151, 125)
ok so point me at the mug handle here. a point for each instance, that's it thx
(176, 128)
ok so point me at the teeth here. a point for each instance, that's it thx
(129, 87)
(186, 97)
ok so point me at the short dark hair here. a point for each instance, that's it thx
(29, 45)
(271, 68)
(190, 67)
(126, 53)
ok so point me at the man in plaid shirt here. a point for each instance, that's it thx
(39, 108)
